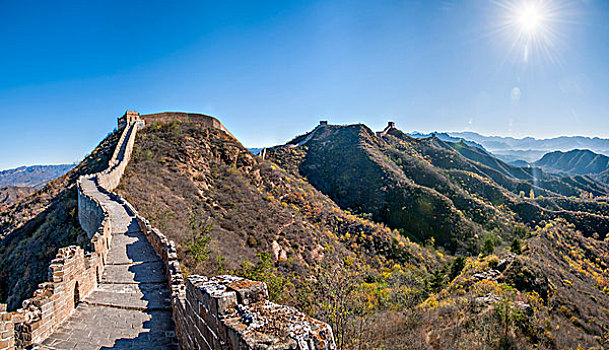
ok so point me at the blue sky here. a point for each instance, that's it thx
(270, 70)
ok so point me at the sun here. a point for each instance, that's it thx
(532, 28)
(530, 18)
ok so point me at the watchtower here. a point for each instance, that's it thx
(128, 118)
(323, 123)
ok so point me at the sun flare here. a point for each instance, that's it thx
(531, 28)
(530, 18)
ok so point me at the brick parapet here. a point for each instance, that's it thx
(229, 312)
(73, 273)
(7, 329)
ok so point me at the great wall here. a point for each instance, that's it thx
(128, 290)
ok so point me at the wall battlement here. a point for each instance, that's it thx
(73, 273)
(389, 127)
(228, 312)
(128, 118)
(205, 120)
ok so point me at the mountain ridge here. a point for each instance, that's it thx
(577, 161)
(462, 179)
(35, 176)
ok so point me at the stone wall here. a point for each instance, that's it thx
(7, 329)
(73, 273)
(90, 211)
(73, 276)
(228, 312)
(111, 177)
(206, 120)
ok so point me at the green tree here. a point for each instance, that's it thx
(521, 231)
(437, 281)
(456, 267)
(516, 247)
(200, 238)
(488, 247)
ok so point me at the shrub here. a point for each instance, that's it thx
(488, 247)
(515, 247)
(265, 271)
(456, 267)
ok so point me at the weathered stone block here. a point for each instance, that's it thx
(249, 292)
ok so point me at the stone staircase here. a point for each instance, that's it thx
(130, 308)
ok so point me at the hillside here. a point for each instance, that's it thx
(32, 176)
(12, 194)
(331, 222)
(230, 211)
(33, 229)
(451, 192)
(541, 289)
(182, 171)
(547, 295)
(578, 161)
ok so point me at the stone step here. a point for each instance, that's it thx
(129, 307)
(133, 282)
(153, 272)
(135, 262)
(149, 296)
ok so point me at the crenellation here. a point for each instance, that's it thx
(128, 118)
(390, 126)
(235, 313)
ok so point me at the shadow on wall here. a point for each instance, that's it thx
(159, 335)
(148, 272)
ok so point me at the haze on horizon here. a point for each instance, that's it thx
(272, 70)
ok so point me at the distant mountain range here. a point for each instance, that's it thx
(576, 162)
(444, 137)
(35, 176)
(531, 149)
